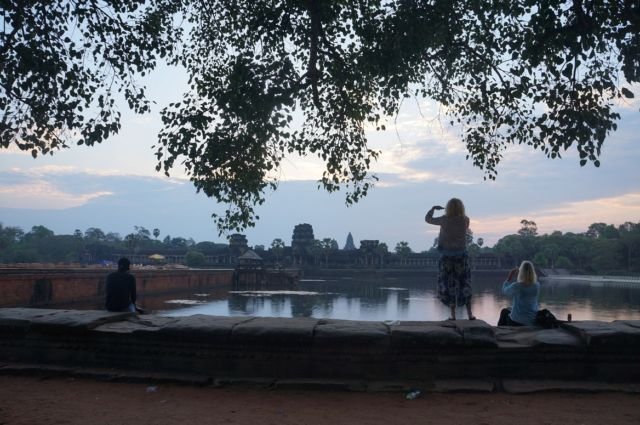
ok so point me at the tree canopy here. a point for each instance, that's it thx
(62, 65)
(542, 73)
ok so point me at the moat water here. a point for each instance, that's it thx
(402, 299)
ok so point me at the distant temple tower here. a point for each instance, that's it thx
(349, 246)
(301, 242)
(237, 244)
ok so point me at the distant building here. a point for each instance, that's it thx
(250, 259)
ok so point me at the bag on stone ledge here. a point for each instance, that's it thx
(546, 319)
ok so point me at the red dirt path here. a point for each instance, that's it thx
(62, 401)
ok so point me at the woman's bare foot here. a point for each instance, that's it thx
(469, 314)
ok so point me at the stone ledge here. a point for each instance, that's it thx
(60, 320)
(521, 386)
(351, 333)
(429, 335)
(274, 331)
(201, 328)
(511, 386)
(606, 334)
(103, 374)
(527, 337)
(464, 385)
(308, 350)
(320, 384)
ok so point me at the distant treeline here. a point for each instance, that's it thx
(602, 248)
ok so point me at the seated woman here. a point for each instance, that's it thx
(524, 291)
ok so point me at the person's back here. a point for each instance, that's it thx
(120, 289)
(453, 226)
(453, 233)
(524, 306)
(524, 292)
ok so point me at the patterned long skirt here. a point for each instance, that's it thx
(454, 280)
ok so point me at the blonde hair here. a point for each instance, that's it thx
(527, 273)
(455, 208)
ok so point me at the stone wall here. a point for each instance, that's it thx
(277, 351)
(41, 288)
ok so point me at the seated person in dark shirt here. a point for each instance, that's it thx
(121, 289)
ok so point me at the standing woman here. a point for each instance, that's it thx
(454, 273)
(524, 290)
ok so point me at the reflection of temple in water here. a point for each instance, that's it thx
(412, 296)
(303, 306)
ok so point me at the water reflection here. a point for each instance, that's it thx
(412, 299)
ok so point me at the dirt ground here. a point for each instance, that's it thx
(61, 401)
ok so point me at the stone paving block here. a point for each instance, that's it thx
(14, 326)
(605, 334)
(248, 382)
(320, 384)
(352, 333)
(463, 385)
(632, 323)
(524, 386)
(63, 320)
(397, 386)
(103, 374)
(275, 331)
(476, 333)
(201, 328)
(526, 337)
(418, 335)
(138, 325)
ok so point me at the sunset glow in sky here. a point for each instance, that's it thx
(115, 187)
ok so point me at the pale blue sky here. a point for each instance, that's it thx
(114, 186)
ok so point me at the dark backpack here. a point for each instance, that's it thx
(546, 319)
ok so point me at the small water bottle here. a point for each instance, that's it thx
(413, 394)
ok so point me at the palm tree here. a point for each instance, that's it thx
(403, 250)
(382, 250)
(327, 245)
(277, 248)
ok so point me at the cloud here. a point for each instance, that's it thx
(420, 138)
(56, 187)
(572, 216)
(54, 170)
(577, 216)
(41, 194)
(13, 149)
(427, 159)
(295, 168)
(393, 162)
(45, 170)
(390, 213)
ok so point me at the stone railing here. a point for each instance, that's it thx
(467, 355)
